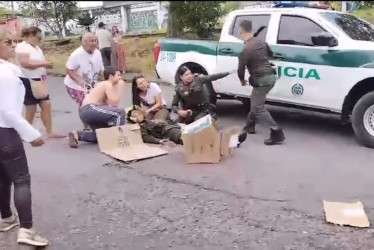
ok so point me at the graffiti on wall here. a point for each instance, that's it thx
(143, 20)
(109, 16)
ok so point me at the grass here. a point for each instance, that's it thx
(139, 53)
(367, 14)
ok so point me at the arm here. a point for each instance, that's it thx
(11, 115)
(158, 97)
(24, 61)
(243, 59)
(72, 65)
(147, 137)
(175, 102)
(216, 77)
(158, 104)
(114, 94)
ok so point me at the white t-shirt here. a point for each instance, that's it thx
(104, 37)
(12, 95)
(36, 54)
(152, 92)
(88, 66)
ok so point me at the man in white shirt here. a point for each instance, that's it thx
(105, 39)
(84, 66)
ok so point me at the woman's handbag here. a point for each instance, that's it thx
(39, 88)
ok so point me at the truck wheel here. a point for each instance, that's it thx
(363, 120)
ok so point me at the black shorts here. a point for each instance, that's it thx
(29, 96)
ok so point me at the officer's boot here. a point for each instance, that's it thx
(276, 137)
(250, 127)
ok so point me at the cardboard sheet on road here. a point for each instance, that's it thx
(346, 214)
(125, 143)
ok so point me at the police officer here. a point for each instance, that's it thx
(191, 96)
(255, 56)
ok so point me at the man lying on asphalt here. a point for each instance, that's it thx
(167, 133)
(100, 107)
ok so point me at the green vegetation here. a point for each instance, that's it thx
(367, 14)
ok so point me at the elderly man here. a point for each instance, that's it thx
(84, 66)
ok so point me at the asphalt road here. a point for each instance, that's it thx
(260, 198)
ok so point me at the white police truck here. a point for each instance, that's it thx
(324, 61)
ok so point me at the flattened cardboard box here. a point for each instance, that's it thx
(203, 143)
(125, 143)
(346, 214)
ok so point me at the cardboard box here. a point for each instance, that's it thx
(203, 143)
(125, 143)
(346, 214)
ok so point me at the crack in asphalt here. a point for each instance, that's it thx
(188, 183)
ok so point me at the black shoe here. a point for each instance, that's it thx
(276, 137)
(242, 137)
(250, 128)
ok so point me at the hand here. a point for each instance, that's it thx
(38, 142)
(183, 113)
(168, 143)
(48, 65)
(244, 82)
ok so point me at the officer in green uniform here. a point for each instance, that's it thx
(190, 100)
(156, 132)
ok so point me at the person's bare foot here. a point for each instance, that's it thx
(55, 135)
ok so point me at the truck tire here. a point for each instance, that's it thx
(363, 120)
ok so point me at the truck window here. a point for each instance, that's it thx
(297, 30)
(258, 21)
(354, 27)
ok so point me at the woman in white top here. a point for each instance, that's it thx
(13, 162)
(33, 68)
(149, 96)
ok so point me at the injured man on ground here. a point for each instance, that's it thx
(168, 133)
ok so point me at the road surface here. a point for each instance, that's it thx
(260, 198)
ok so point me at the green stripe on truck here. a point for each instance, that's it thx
(316, 56)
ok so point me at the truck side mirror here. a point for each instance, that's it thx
(324, 39)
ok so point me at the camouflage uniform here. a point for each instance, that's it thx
(153, 131)
(195, 98)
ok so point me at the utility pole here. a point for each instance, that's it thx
(344, 6)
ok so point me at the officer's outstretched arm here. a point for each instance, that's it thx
(214, 77)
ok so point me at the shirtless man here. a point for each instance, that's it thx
(100, 107)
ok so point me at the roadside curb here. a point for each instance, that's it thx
(127, 77)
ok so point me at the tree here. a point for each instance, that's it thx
(231, 6)
(86, 21)
(54, 14)
(199, 17)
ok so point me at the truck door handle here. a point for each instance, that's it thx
(279, 56)
(226, 51)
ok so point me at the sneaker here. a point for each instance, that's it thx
(8, 223)
(30, 237)
(241, 138)
(73, 140)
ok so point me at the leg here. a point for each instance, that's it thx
(30, 113)
(162, 114)
(108, 53)
(5, 192)
(46, 115)
(14, 164)
(78, 97)
(96, 116)
(175, 135)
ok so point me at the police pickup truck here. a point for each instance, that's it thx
(324, 61)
